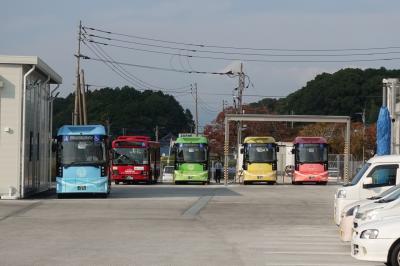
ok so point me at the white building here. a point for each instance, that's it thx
(25, 125)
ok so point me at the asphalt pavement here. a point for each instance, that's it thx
(176, 225)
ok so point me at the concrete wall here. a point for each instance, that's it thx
(10, 116)
(36, 161)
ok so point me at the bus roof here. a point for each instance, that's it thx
(259, 140)
(71, 130)
(196, 139)
(134, 138)
(309, 140)
(132, 141)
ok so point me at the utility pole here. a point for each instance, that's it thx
(77, 113)
(240, 111)
(156, 133)
(223, 106)
(196, 109)
(83, 94)
(240, 103)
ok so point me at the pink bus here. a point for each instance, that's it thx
(311, 160)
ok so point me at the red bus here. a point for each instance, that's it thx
(310, 160)
(135, 159)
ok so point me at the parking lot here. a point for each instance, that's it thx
(176, 225)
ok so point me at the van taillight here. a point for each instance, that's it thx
(274, 166)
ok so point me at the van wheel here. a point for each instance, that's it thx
(394, 257)
(116, 182)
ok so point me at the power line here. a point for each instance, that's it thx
(239, 48)
(135, 78)
(248, 59)
(155, 67)
(229, 53)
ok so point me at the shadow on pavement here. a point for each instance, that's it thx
(169, 191)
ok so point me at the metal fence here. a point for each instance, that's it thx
(336, 167)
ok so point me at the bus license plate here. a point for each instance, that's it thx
(81, 187)
(190, 177)
(129, 178)
(310, 177)
(260, 177)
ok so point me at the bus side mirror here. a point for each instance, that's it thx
(293, 151)
(277, 148)
(241, 150)
(244, 166)
(53, 147)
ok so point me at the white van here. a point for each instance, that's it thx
(377, 175)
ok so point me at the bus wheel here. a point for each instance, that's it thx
(323, 183)
(104, 195)
(177, 183)
(271, 182)
(295, 183)
(60, 196)
(245, 183)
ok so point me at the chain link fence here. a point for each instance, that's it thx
(336, 167)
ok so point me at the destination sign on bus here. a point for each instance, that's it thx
(81, 138)
(129, 144)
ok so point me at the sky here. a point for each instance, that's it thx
(49, 29)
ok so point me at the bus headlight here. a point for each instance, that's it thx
(103, 170)
(341, 194)
(369, 234)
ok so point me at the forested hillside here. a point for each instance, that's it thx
(345, 92)
(137, 112)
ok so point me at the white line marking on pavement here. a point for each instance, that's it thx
(196, 207)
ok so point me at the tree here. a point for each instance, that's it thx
(136, 112)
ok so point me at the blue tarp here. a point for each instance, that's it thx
(383, 131)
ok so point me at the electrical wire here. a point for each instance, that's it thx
(238, 48)
(133, 77)
(238, 53)
(250, 60)
(153, 67)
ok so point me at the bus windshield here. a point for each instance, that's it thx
(191, 153)
(311, 153)
(81, 152)
(129, 156)
(260, 153)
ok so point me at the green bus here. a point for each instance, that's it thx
(191, 159)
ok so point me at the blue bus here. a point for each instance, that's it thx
(82, 160)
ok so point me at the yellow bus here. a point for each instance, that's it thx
(259, 160)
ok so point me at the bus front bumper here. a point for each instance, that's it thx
(264, 177)
(130, 178)
(191, 176)
(300, 177)
(82, 185)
